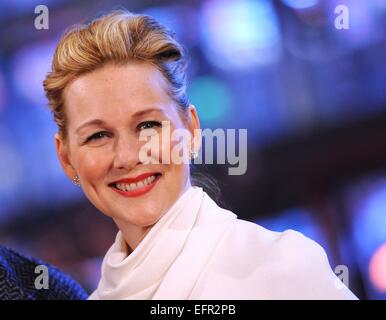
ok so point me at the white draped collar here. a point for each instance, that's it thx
(158, 264)
(198, 250)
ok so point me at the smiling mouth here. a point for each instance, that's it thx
(136, 188)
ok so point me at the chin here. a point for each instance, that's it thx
(146, 219)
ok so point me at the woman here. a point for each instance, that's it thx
(121, 79)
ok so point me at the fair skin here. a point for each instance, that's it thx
(125, 98)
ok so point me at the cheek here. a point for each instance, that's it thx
(173, 145)
(159, 147)
(92, 165)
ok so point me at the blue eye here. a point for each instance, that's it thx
(148, 125)
(97, 136)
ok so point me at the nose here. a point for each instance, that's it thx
(126, 153)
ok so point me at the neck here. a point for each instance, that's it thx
(134, 234)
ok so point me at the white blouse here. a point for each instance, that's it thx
(198, 250)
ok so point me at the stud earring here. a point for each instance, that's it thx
(76, 180)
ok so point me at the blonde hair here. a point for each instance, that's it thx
(118, 37)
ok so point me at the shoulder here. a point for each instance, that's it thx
(295, 247)
(290, 264)
(289, 244)
(290, 250)
(18, 274)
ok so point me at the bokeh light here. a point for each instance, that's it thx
(31, 65)
(300, 4)
(377, 268)
(255, 41)
(211, 98)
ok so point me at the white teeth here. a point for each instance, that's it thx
(148, 180)
(133, 186)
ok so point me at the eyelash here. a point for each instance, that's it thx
(96, 136)
(153, 123)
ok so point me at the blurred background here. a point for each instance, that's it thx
(313, 98)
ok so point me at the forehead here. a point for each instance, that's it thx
(116, 91)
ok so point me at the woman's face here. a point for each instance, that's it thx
(106, 111)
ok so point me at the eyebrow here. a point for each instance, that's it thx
(100, 122)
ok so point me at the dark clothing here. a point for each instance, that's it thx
(18, 275)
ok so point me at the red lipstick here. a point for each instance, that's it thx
(138, 191)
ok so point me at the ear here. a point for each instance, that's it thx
(64, 156)
(194, 128)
